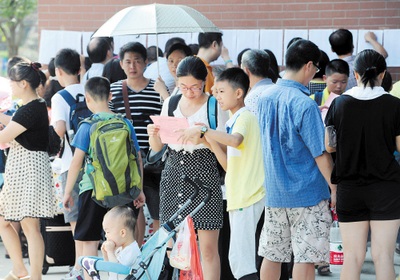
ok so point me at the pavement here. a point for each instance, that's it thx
(56, 273)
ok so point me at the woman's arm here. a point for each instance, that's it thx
(398, 143)
(10, 132)
(5, 119)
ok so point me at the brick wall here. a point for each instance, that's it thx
(88, 15)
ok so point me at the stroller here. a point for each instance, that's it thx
(154, 250)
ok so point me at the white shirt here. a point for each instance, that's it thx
(151, 72)
(60, 112)
(96, 70)
(130, 256)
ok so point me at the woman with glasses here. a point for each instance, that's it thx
(194, 160)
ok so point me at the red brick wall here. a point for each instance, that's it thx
(88, 15)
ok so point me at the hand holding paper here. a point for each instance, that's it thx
(169, 128)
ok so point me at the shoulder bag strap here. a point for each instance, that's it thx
(212, 112)
(173, 104)
(126, 100)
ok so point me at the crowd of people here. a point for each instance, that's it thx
(283, 172)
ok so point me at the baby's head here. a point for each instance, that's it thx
(119, 225)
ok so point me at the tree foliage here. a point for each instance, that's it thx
(12, 15)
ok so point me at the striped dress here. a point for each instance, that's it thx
(143, 104)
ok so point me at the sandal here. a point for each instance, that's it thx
(324, 270)
(12, 276)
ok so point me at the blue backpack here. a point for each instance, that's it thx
(78, 111)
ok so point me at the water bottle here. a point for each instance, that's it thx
(336, 247)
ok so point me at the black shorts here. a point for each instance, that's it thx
(89, 225)
(151, 189)
(378, 201)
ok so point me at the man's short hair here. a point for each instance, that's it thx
(300, 53)
(237, 78)
(206, 39)
(133, 47)
(257, 62)
(341, 41)
(337, 66)
(98, 88)
(97, 49)
(68, 60)
(152, 53)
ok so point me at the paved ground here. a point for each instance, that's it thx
(55, 273)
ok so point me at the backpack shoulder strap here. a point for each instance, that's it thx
(212, 112)
(318, 97)
(173, 104)
(67, 97)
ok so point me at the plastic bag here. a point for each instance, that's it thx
(181, 252)
(196, 271)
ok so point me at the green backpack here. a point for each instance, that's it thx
(112, 162)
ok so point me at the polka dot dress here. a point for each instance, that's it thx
(174, 191)
(27, 190)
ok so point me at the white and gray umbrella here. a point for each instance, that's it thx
(156, 19)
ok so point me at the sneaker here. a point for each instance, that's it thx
(89, 265)
(74, 274)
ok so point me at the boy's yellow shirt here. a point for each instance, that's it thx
(244, 178)
(325, 96)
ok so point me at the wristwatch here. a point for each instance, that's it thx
(203, 131)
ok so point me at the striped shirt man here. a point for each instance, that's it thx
(143, 104)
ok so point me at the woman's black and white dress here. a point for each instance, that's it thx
(27, 190)
(195, 161)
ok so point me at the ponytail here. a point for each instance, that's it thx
(369, 64)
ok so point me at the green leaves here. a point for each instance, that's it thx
(12, 15)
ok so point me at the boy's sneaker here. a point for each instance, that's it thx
(74, 274)
(89, 265)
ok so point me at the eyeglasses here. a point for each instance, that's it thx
(192, 89)
(317, 67)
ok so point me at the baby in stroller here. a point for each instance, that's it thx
(149, 265)
(120, 245)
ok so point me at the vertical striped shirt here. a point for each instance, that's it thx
(143, 104)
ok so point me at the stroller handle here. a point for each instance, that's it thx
(198, 184)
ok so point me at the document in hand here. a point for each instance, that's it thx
(169, 127)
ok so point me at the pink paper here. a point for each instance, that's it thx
(168, 128)
(328, 103)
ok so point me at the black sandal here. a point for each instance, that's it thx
(324, 270)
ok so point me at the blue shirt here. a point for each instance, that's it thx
(292, 135)
(251, 99)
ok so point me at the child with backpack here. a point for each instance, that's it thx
(68, 65)
(90, 215)
(243, 163)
